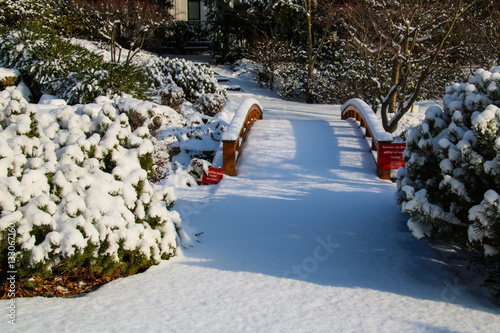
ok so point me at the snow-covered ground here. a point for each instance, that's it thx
(305, 239)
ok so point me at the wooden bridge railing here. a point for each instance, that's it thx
(389, 154)
(248, 112)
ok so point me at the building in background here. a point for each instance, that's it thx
(189, 10)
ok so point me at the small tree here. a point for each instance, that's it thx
(413, 36)
(124, 22)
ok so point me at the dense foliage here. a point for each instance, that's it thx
(76, 190)
(451, 181)
(388, 53)
(81, 184)
(53, 65)
(194, 79)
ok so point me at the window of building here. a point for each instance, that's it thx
(194, 10)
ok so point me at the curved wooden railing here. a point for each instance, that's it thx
(389, 154)
(248, 112)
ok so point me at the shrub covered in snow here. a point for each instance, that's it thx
(74, 186)
(194, 79)
(148, 114)
(211, 104)
(9, 77)
(79, 74)
(451, 182)
(172, 96)
(42, 13)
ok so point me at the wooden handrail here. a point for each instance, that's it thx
(389, 154)
(248, 112)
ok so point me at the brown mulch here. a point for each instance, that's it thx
(71, 283)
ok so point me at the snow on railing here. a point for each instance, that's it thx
(236, 126)
(248, 112)
(389, 155)
(368, 119)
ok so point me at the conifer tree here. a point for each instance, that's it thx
(451, 179)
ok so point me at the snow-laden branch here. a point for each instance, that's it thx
(294, 5)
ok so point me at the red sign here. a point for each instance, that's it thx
(214, 176)
(390, 155)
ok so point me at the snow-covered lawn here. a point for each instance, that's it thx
(305, 239)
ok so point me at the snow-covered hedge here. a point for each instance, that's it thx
(74, 185)
(451, 182)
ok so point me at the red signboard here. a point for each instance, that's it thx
(390, 155)
(214, 176)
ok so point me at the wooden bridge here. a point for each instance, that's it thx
(388, 154)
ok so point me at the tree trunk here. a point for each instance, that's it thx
(396, 69)
(310, 60)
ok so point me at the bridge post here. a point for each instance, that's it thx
(229, 157)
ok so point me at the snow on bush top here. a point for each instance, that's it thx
(7, 72)
(74, 181)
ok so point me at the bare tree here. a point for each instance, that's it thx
(125, 23)
(412, 36)
(485, 19)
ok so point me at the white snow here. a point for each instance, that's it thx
(51, 100)
(305, 239)
(9, 72)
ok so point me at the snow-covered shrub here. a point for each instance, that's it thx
(194, 79)
(71, 72)
(39, 12)
(452, 176)
(75, 188)
(211, 104)
(269, 53)
(172, 96)
(9, 77)
(148, 114)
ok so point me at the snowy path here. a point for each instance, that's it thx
(304, 239)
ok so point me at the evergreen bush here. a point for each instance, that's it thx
(451, 180)
(194, 79)
(75, 188)
(211, 104)
(172, 96)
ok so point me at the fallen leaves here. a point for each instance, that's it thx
(70, 283)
